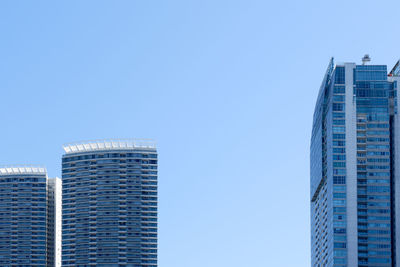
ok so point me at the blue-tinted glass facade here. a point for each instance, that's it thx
(352, 168)
(373, 94)
(109, 213)
(23, 218)
(336, 149)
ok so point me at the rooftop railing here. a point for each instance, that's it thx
(108, 144)
(9, 170)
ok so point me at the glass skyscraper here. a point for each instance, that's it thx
(109, 203)
(26, 223)
(355, 167)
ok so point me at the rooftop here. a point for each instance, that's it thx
(108, 144)
(396, 69)
(12, 170)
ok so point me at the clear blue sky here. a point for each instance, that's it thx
(227, 88)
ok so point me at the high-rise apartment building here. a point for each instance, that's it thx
(54, 221)
(355, 167)
(109, 203)
(26, 222)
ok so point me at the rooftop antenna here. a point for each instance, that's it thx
(366, 59)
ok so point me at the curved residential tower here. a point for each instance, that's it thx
(28, 217)
(109, 213)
